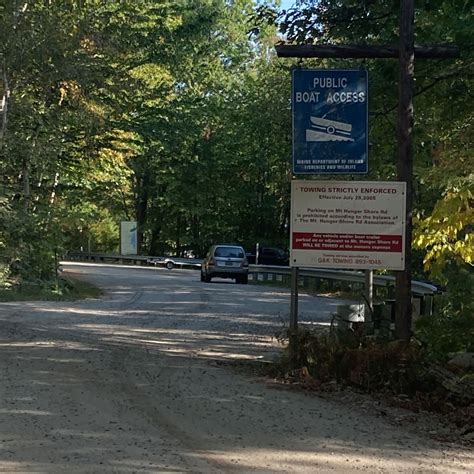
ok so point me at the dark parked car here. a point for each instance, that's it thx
(270, 256)
(225, 261)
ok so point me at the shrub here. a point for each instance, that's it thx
(451, 328)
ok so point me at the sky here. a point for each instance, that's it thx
(285, 4)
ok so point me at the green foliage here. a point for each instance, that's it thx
(60, 289)
(89, 227)
(30, 249)
(446, 333)
(209, 176)
(451, 329)
(446, 234)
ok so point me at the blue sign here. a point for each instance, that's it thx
(329, 121)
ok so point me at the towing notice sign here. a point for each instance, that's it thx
(329, 121)
(348, 224)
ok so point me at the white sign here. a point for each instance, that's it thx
(128, 238)
(348, 224)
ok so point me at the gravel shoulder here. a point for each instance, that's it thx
(138, 381)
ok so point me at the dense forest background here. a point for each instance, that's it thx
(178, 115)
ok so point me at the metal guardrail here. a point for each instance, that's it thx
(168, 262)
(423, 293)
(419, 288)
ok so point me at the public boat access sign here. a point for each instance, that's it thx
(348, 224)
(329, 121)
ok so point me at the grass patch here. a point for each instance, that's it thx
(64, 289)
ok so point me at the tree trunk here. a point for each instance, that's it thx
(155, 248)
(178, 236)
(405, 163)
(4, 107)
(52, 196)
(25, 176)
(25, 170)
(141, 209)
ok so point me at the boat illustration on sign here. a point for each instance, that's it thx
(324, 130)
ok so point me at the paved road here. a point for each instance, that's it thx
(131, 383)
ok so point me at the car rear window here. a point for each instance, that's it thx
(230, 252)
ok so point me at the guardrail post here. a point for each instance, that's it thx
(427, 305)
(293, 329)
(369, 288)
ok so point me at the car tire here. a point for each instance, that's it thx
(169, 265)
(244, 280)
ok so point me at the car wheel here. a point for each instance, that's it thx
(244, 280)
(169, 265)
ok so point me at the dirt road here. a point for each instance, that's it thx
(133, 382)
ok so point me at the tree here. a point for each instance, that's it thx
(201, 175)
(66, 86)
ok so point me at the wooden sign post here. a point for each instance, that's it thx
(406, 54)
